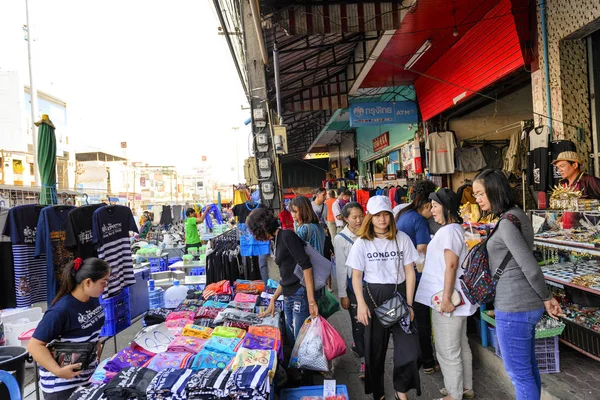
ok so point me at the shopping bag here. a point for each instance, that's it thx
(333, 343)
(328, 304)
(308, 350)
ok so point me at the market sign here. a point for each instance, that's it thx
(384, 113)
(316, 156)
(381, 142)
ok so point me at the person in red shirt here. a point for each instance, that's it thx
(285, 218)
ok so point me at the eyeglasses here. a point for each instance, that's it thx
(478, 195)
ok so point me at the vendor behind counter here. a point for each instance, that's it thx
(569, 166)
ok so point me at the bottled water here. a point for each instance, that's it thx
(175, 295)
(157, 295)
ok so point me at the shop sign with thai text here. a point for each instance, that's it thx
(383, 113)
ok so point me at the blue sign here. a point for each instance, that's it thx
(375, 114)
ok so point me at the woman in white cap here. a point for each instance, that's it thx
(569, 166)
(440, 289)
(384, 258)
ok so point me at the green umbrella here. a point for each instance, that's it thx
(46, 158)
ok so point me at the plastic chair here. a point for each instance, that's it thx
(11, 383)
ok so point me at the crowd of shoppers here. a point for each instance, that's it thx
(418, 255)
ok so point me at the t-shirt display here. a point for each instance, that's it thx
(50, 241)
(378, 258)
(30, 272)
(111, 227)
(557, 147)
(493, 156)
(539, 163)
(441, 146)
(469, 159)
(71, 321)
(243, 210)
(79, 231)
(449, 237)
(7, 283)
(166, 217)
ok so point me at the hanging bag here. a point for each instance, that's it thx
(393, 310)
(322, 268)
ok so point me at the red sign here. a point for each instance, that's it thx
(381, 142)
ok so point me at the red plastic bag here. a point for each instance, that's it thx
(333, 343)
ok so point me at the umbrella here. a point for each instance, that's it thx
(46, 158)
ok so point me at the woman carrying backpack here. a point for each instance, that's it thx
(440, 283)
(385, 258)
(521, 292)
(353, 215)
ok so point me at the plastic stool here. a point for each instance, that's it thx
(12, 385)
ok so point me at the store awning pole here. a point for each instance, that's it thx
(277, 82)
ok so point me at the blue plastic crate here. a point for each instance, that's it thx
(116, 306)
(113, 326)
(139, 298)
(298, 393)
(173, 260)
(197, 271)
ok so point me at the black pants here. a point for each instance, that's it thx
(358, 329)
(423, 320)
(406, 349)
(62, 395)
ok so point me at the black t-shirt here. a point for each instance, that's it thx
(79, 231)
(289, 251)
(243, 210)
(557, 147)
(539, 166)
(22, 224)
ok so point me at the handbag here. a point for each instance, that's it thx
(456, 299)
(322, 268)
(65, 353)
(393, 310)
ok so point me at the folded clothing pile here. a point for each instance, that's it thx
(169, 384)
(162, 361)
(156, 316)
(208, 384)
(129, 383)
(187, 344)
(249, 383)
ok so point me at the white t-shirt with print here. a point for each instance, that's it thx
(449, 237)
(378, 258)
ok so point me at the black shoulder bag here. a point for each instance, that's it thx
(393, 310)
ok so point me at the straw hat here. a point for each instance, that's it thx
(568, 156)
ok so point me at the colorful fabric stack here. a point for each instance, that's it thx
(101, 375)
(245, 298)
(162, 361)
(249, 358)
(223, 345)
(250, 287)
(208, 384)
(156, 316)
(229, 332)
(249, 383)
(177, 320)
(210, 359)
(187, 344)
(169, 384)
(128, 357)
(217, 288)
(237, 305)
(201, 332)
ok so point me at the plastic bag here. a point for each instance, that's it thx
(308, 352)
(333, 343)
(328, 304)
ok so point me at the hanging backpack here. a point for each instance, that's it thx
(477, 282)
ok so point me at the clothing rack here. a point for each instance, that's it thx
(482, 142)
(515, 125)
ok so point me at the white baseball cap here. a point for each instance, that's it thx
(377, 204)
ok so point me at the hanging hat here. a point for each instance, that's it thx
(568, 156)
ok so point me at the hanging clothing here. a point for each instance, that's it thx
(177, 211)
(243, 210)
(516, 151)
(469, 159)
(441, 146)
(493, 156)
(166, 218)
(362, 197)
(539, 163)
(30, 272)
(79, 231)
(392, 196)
(110, 230)
(8, 297)
(50, 241)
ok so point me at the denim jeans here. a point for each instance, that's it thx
(295, 309)
(263, 263)
(516, 337)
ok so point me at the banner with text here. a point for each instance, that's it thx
(388, 113)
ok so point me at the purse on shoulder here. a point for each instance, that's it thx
(65, 353)
(393, 310)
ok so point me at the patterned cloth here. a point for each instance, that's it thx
(228, 332)
(93, 392)
(208, 384)
(217, 288)
(266, 331)
(248, 307)
(127, 357)
(223, 345)
(274, 321)
(249, 383)
(210, 359)
(207, 312)
(201, 332)
(250, 287)
(162, 361)
(177, 315)
(214, 304)
(101, 375)
(249, 358)
(245, 298)
(169, 384)
(187, 344)
(253, 342)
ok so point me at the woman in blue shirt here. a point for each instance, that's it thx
(412, 220)
(75, 316)
(308, 227)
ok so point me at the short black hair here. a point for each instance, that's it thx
(189, 212)
(320, 190)
(262, 223)
(349, 206)
(497, 190)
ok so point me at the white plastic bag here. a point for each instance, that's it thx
(309, 352)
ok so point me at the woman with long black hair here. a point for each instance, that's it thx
(75, 316)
